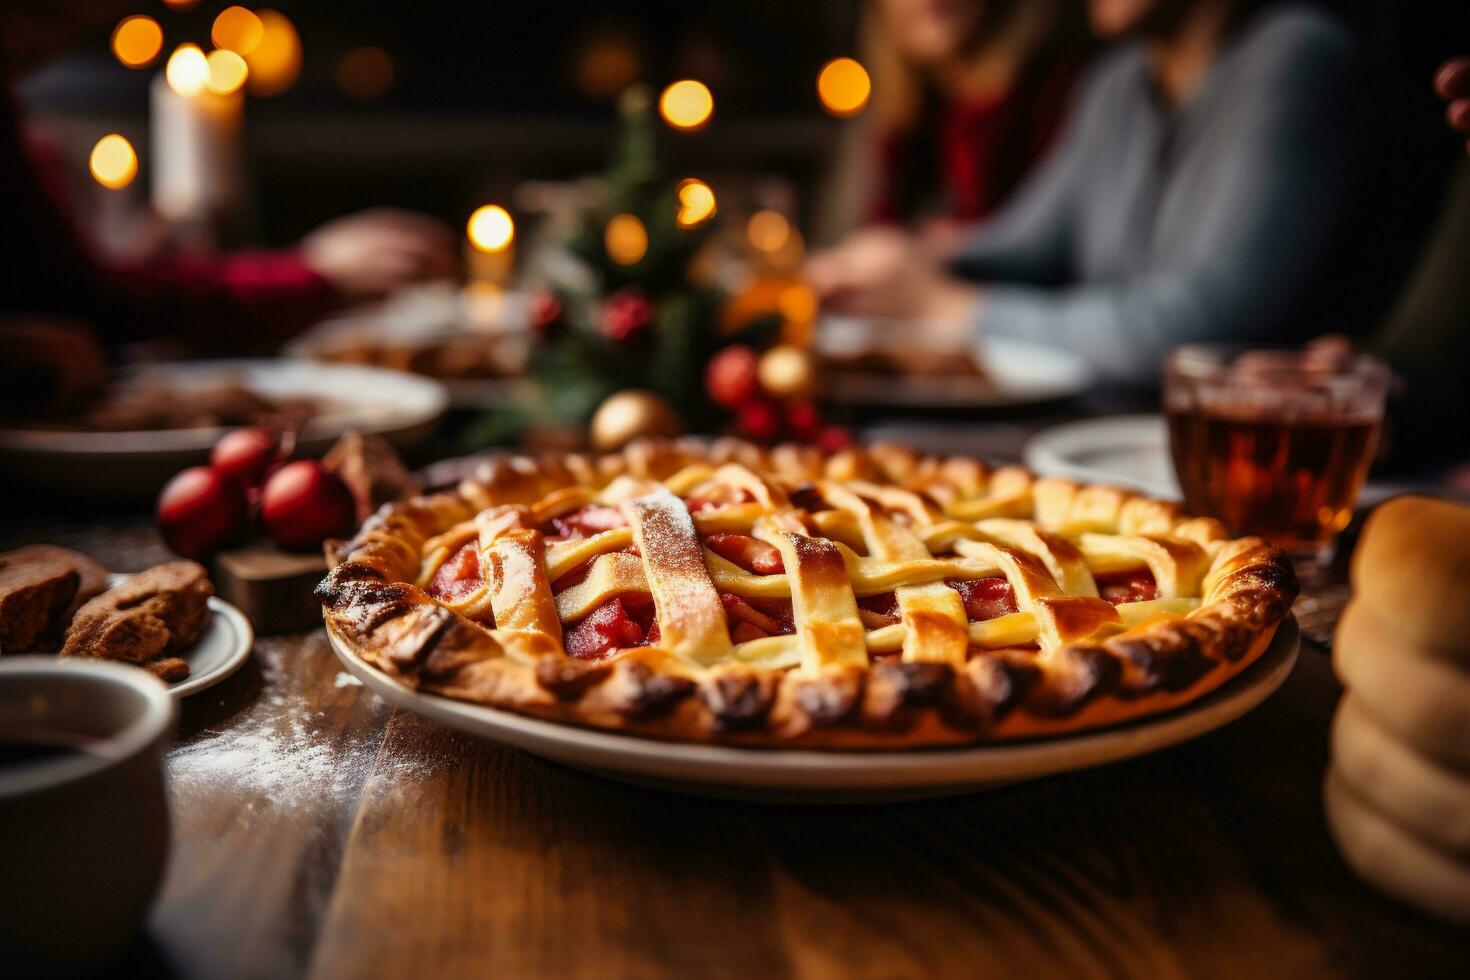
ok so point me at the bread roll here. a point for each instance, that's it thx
(1426, 799)
(1423, 700)
(1412, 568)
(1379, 850)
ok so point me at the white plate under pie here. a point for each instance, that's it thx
(807, 776)
(402, 408)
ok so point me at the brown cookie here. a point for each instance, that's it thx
(156, 613)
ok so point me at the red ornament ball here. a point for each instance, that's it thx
(730, 376)
(802, 418)
(246, 455)
(831, 438)
(759, 419)
(547, 315)
(303, 504)
(200, 511)
(626, 314)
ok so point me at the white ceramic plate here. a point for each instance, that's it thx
(222, 649)
(807, 776)
(400, 407)
(1125, 450)
(1017, 373)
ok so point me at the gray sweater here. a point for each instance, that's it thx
(1149, 227)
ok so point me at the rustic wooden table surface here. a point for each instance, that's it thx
(320, 832)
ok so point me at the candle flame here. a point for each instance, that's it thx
(686, 104)
(137, 40)
(113, 162)
(187, 71)
(844, 87)
(491, 228)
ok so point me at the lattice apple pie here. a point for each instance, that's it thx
(872, 598)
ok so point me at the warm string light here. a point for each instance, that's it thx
(625, 239)
(844, 87)
(768, 231)
(187, 71)
(227, 72)
(491, 228)
(113, 162)
(137, 40)
(686, 104)
(365, 74)
(696, 203)
(237, 29)
(275, 62)
(180, 4)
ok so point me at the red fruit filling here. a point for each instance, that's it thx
(1137, 586)
(749, 553)
(879, 610)
(985, 598)
(458, 576)
(752, 619)
(625, 621)
(586, 522)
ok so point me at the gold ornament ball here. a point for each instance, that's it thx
(788, 372)
(630, 414)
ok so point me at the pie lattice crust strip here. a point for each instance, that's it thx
(839, 535)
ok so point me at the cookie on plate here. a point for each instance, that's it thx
(41, 585)
(147, 620)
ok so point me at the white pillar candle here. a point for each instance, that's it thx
(196, 161)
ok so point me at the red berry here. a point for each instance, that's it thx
(303, 504)
(730, 377)
(802, 418)
(546, 314)
(831, 438)
(200, 511)
(758, 419)
(245, 455)
(626, 313)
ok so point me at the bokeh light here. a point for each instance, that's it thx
(276, 61)
(365, 74)
(696, 203)
(237, 29)
(491, 228)
(227, 72)
(626, 240)
(137, 40)
(686, 104)
(768, 231)
(180, 4)
(113, 162)
(187, 71)
(608, 65)
(844, 87)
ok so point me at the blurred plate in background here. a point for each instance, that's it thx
(400, 407)
(1013, 373)
(1124, 450)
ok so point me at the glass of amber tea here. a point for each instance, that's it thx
(1275, 442)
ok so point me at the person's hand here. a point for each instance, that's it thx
(1452, 82)
(885, 273)
(47, 366)
(372, 253)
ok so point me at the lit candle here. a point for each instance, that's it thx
(197, 107)
(491, 255)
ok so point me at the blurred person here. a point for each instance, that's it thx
(968, 94)
(1427, 336)
(62, 303)
(1193, 194)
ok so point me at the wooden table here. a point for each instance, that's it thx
(318, 831)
